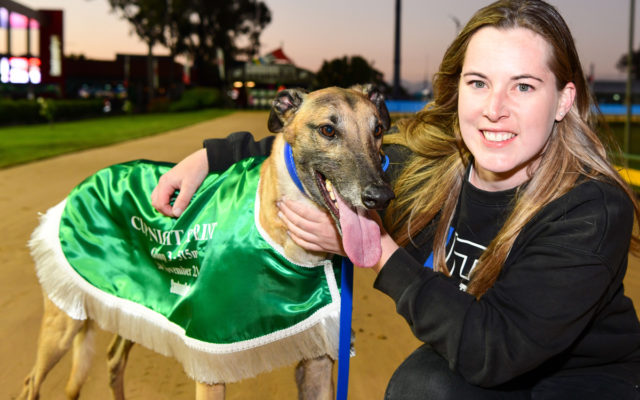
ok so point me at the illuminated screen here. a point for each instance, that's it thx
(20, 70)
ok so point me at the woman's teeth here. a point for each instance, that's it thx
(497, 136)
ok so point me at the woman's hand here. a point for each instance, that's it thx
(389, 246)
(311, 228)
(186, 176)
(314, 230)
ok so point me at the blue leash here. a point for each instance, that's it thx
(346, 310)
(344, 347)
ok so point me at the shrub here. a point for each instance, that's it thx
(15, 112)
(198, 98)
(19, 112)
(67, 110)
(159, 105)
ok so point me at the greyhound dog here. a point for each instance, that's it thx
(326, 153)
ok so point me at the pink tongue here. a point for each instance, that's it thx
(360, 235)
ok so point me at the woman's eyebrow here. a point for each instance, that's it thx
(478, 74)
(527, 76)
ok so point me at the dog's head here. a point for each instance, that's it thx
(335, 136)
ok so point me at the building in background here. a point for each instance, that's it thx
(27, 37)
(33, 63)
(255, 83)
(124, 77)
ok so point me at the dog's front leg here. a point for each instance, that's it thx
(210, 392)
(314, 379)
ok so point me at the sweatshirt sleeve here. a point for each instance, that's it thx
(222, 153)
(565, 266)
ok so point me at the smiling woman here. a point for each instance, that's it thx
(511, 194)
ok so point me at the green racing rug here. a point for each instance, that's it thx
(210, 288)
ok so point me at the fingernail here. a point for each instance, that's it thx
(177, 212)
(280, 215)
(278, 203)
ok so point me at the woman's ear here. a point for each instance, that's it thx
(565, 102)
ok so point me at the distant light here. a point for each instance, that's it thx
(20, 70)
(35, 76)
(5, 68)
(251, 84)
(18, 21)
(55, 62)
(237, 84)
(616, 97)
(4, 17)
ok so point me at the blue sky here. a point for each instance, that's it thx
(311, 31)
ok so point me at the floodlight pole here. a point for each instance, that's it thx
(627, 124)
(396, 57)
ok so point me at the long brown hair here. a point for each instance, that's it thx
(428, 188)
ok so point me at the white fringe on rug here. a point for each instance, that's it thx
(204, 362)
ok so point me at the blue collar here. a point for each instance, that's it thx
(291, 165)
(385, 161)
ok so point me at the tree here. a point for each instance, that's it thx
(622, 64)
(222, 27)
(148, 20)
(348, 71)
(211, 33)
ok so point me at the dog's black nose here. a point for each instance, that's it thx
(377, 197)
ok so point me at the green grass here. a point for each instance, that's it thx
(617, 130)
(25, 143)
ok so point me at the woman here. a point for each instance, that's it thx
(514, 225)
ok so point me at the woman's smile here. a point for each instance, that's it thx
(497, 137)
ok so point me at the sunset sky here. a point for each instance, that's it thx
(313, 31)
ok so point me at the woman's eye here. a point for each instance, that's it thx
(523, 87)
(478, 84)
(328, 130)
(378, 131)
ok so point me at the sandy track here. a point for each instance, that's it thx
(382, 338)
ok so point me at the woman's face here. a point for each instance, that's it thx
(507, 104)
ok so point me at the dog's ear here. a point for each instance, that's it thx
(377, 98)
(283, 107)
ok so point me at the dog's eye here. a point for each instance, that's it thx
(328, 130)
(378, 131)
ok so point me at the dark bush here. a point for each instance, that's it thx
(13, 112)
(198, 98)
(159, 105)
(19, 112)
(68, 110)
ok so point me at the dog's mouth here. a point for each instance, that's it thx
(360, 234)
(330, 199)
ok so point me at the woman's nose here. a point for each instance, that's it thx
(496, 106)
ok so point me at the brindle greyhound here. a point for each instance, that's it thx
(335, 137)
